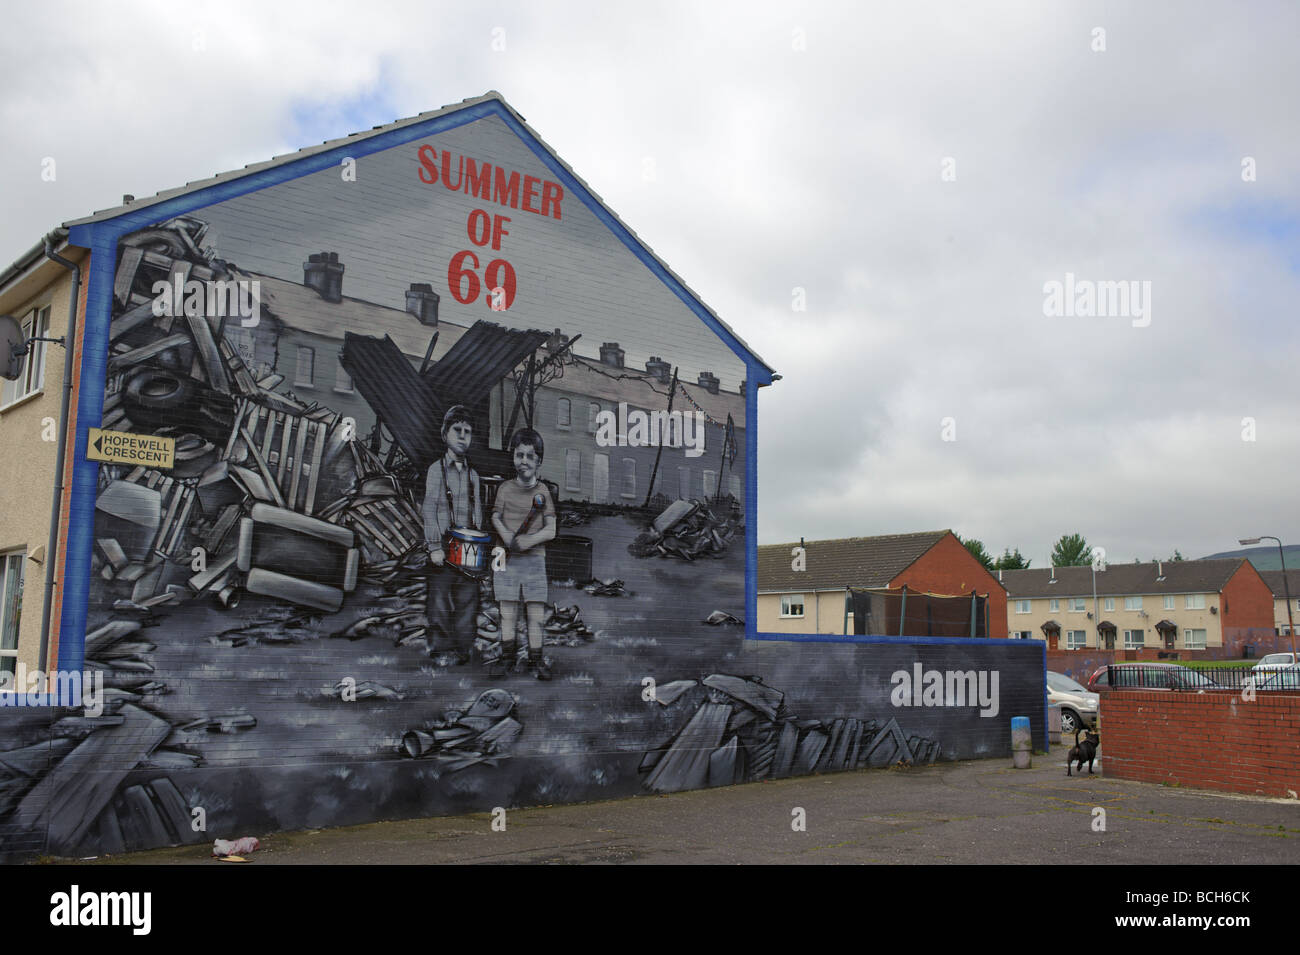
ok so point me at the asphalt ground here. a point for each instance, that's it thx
(975, 812)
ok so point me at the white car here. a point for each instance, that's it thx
(1272, 662)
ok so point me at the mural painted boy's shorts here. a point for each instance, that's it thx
(526, 572)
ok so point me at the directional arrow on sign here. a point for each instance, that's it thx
(99, 444)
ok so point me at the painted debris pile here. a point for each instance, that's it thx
(689, 530)
(741, 731)
(481, 732)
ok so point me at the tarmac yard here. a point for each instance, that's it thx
(974, 812)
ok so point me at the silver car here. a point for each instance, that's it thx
(1078, 703)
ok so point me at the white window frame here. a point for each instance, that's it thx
(1076, 639)
(1077, 605)
(309, 353)
(1169, 601)
(563, 414)
(1109, 604)
(1194, 602)
(1054, 605)
(1130, 644)
(9, 605)
(1191, 641)
(31, 374)
(627, 481)
(1024, 606)
(1132, 603)
(573, 470)
(788, 604)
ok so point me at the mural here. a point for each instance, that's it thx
(427, 556)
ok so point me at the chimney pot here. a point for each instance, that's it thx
(422, 302)
(324, 272)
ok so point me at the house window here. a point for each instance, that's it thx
(1054, 605)
(1193, 639)
(563, 414)
(1169, 602)
(1132, 603)
(342, 380)
(1076, 605)
(629, 477)
(1194, 602)
(306, 369)
(1021, 635)
(573, 470)
(1132, 639)
(11, 610)
(1024, 606)
(792, 605)
(31, 373)
(1109, 604)
(593, 415)
(1076, 639)
(684, 483)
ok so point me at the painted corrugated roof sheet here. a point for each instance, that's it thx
(480, 358)
(406, 404)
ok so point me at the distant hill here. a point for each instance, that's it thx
(1264, 558)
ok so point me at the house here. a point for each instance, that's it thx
(1284, 589)
(1214, 606)
(807, 592)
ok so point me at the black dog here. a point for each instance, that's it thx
(1083, 752)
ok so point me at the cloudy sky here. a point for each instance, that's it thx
(873, 195)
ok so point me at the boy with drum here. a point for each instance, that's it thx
(453, 500)
(524, 517)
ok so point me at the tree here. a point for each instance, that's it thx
(977, 550)
(1071, 551)
(1010, 561)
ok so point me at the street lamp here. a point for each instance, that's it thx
(1286, 588)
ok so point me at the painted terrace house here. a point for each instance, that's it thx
(402, 478)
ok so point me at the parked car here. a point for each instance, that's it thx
(1282, 678)
(1078, 703)
(1271, 662)
(1151, 676)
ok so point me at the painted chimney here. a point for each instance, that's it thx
(422, 302)
(555, 341)
(660, 369)
(709, 382)
(324, 272)
(611, 354)
(742, 386)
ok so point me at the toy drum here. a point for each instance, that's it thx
(467, 550)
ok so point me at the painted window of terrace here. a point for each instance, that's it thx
(306, 367)
(564, 414)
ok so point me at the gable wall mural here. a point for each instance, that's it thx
(415, 489)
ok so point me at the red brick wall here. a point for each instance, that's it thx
(1247, 611)
(948, 568)
(1203, 740)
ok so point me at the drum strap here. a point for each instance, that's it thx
(446, 489)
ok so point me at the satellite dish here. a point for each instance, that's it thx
(13, 348)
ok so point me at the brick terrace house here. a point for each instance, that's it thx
(812, 600)
(1210, 606)
(1281, 589)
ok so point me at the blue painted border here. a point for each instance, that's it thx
(102, 237)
